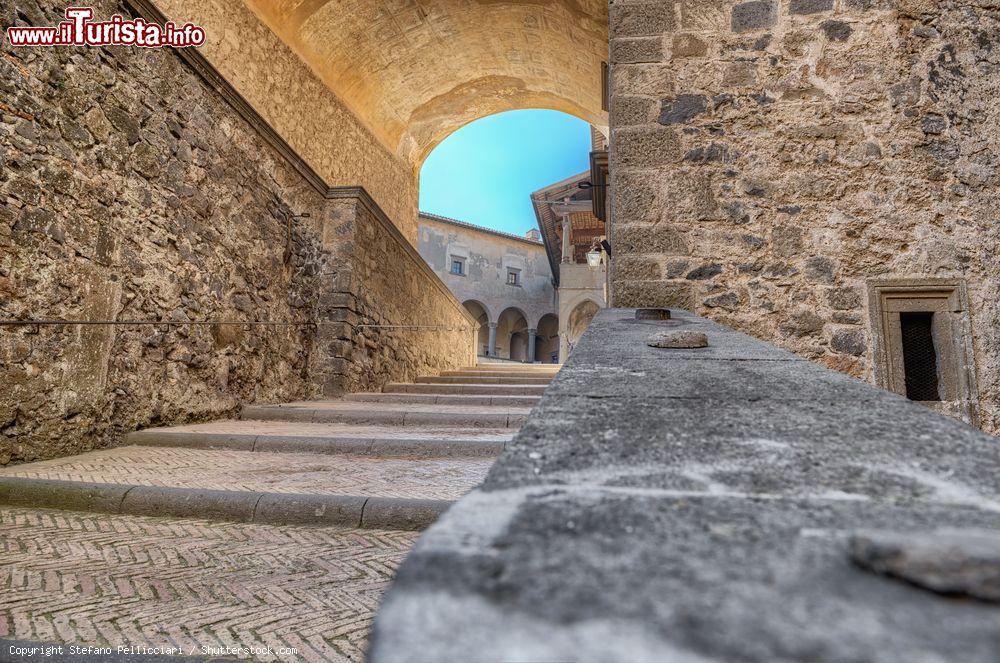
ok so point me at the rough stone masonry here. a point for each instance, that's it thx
(132, 191)
(770, 158)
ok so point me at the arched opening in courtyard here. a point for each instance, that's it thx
(547, 339)
(512, 335)
(482, 316)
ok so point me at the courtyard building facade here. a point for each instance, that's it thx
(503, 280)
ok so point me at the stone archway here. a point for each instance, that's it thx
(416, 72)
(482, 315)
(512, 334)
(547, 339)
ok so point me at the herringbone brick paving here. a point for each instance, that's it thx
(423, 478)
(111, 580)
(120, 580)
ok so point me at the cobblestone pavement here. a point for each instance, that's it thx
(431, 478)
(120, 580)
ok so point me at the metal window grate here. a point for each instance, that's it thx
(919, 356)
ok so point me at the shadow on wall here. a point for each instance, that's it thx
(579, 320)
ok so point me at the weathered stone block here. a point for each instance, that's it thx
(850, 342)
(754, 15)
(704, 272)
(630, 111)
(654, 294)
(687, 46)
(639, 239)
(682, 108)
(640, 19)
(639, 268)
(639, 148)
(809, 6)
(644, 49)
(836, 30)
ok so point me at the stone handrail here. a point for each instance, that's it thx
(722, 503)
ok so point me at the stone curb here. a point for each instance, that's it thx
(377, 447)
(402, 514)
(391, 513)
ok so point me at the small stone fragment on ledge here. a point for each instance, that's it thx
(962, 562)
(678, 339)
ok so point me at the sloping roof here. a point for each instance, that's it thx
(483, 229)
(548, 221)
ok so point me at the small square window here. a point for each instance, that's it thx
(514, 277)
(458, 266)
(923, 343)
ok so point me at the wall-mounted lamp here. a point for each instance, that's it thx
(594, 254)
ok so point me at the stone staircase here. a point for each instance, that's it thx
(389, 460)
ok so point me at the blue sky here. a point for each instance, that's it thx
(484, 172)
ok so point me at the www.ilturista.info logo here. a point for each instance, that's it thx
(79, 30)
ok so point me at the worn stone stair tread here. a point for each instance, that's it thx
(224, 484)
(514, 366)
(292, 437)
(510, 400)
(402, 414)
(477, 379)
(469, 389)
(501, 374)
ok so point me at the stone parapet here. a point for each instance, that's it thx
(384, 316)
(716, 503)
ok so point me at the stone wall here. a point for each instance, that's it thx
(131, 191)
(312, 118)
(388, 317)
(771, 157)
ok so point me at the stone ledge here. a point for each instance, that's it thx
(638, 518)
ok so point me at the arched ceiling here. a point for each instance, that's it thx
(416, 70)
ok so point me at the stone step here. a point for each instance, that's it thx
(245, 486)
(444, 399)
(401, 414)
(459, 388)
(499, 374)
(479, 379)
(546, 368)
(329, 438)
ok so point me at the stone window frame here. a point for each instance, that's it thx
(887, 297)
(516, 273)
(461, 260)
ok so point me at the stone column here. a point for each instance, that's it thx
(567, 248)
(532, 333)
(491, 347)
